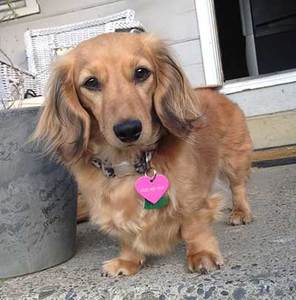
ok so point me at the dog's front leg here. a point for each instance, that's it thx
(128, 262)
(203, 252)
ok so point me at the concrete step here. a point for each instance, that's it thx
(260, 258)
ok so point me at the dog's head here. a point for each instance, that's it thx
(117, 88)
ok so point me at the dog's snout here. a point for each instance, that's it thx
(128, 131)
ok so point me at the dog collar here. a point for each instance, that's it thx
(125, 168)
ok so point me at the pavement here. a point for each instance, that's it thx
(260, 258)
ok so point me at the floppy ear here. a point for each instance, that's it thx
(64, 124)
(175, 102)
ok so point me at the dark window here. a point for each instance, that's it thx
(256, 36)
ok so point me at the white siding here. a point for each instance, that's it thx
(267, 100)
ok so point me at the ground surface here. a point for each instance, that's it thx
(260, 258)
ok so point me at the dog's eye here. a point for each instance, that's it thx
(141, 74)
(92, 84)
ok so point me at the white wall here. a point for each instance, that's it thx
(173, 20)
(267, 100)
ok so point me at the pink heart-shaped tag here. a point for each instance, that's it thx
(152, 189)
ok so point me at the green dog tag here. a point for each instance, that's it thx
(162, 202)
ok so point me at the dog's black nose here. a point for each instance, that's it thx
(128, 131)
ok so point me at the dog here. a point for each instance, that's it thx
(119, 108)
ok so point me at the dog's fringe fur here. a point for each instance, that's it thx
(194, 135)
(64, 124)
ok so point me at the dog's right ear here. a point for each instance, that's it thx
(175, 102)
(64, 124)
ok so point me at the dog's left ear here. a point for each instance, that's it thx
(175, 102)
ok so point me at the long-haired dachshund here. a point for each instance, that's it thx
(121, 115)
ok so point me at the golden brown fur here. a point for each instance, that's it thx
(196, 136)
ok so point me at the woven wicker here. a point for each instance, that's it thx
(14, 83)
(43, 45)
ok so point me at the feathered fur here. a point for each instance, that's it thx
(195, 135)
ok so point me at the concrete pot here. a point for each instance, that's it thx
(37, 201)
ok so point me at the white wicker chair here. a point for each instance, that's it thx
(43, 45)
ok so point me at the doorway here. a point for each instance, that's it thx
(256, 37)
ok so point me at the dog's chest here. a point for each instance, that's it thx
(121, 213)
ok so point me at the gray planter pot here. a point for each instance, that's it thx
(37, 201)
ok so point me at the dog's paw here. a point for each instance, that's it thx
(204, 262)
(239, 217)
(117, 267)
